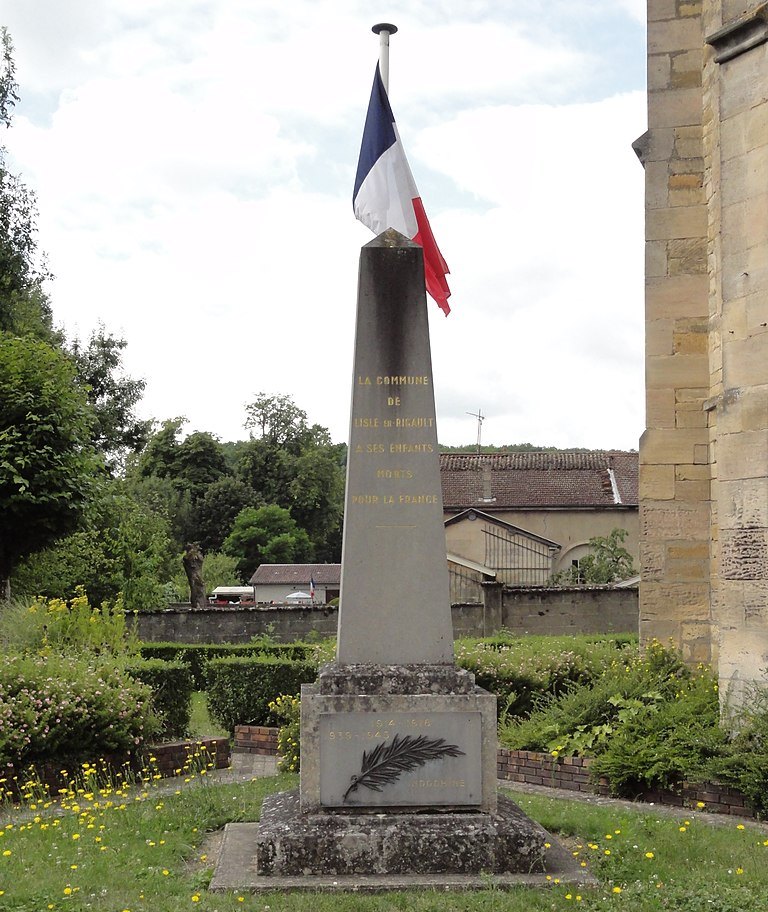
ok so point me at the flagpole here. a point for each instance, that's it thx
(384, 30)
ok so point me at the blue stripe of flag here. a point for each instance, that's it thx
(378, 134)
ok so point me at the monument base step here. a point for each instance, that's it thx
(379, 852)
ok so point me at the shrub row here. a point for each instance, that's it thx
(197, 655)
(241, 689)
(171, 685)
(70, 709)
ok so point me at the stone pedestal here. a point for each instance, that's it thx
(398, 777)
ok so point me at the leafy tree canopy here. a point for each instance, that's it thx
(24, 306)
(112, 396)
(47, 462)
(266, 535)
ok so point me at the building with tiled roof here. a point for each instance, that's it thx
(559, 500)
(274, 582)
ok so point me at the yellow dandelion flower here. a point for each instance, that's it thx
(649, 855)
(700, 804)
(195, 898)
(739, 870)
(617, 889)
(739, 826)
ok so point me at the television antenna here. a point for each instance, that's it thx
(480, 419)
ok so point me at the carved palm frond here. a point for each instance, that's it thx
(390, 759)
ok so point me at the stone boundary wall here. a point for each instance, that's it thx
(537, 610)
(570, 773)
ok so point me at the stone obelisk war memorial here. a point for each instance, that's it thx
(398, 744)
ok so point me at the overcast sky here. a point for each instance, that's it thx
(194, 160)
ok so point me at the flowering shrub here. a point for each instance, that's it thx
(66, 709)
(522, 671)
(42, 625)
(288, 710)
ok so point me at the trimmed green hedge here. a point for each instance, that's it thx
(172, 685)
(241, 689)
(197, 655)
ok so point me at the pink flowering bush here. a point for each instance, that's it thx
(69, 709)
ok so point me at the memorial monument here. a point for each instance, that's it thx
(398, 744)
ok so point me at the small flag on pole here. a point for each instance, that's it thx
(311, 587)
(385, 192)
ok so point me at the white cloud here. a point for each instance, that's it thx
(193, 164)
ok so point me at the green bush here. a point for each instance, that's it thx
(69, 709)
(241, 689)
(664, 742)
(40, 624)
(172, 686)
(523, 671)
(197, 655)
(287, 708)
(743, 761)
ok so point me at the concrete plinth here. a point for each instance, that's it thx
(395, 852)
(291, 843)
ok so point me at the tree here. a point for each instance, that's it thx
(215, 511)
(608, 562)
(24, 306)
(47, 462)
(112, 396)
(193, 567)
(280, 422)
(266, 535)
(123, 548)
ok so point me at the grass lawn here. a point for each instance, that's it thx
(200, 723)
(113, 850)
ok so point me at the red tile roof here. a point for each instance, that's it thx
(296, 575)
(601, 478)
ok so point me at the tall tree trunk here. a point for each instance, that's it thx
(193, 567)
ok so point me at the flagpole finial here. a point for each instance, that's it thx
(384, 30)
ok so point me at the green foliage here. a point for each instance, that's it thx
(608, 562)
(54, 625)
(241, 689)
(743, 762)
(197, 655)
(664, 741)
(648, 720)
(172, 686)
(522, 671)
(123, 550)
(266, 535)
(47, 464)
(216, 510)
(24, 307)
(69, 709)
(287, 709)
(111, 395)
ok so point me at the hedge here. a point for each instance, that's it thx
(171, 684)
(240, 689)
(197, 655)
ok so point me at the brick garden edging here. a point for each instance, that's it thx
(167, 758)
(256, 739)
(573, 773)
(534, 768)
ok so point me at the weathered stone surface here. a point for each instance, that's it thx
(336, 679)
(292, 843)
(332, 757)
(395, 600)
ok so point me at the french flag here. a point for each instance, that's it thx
(385, 192)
